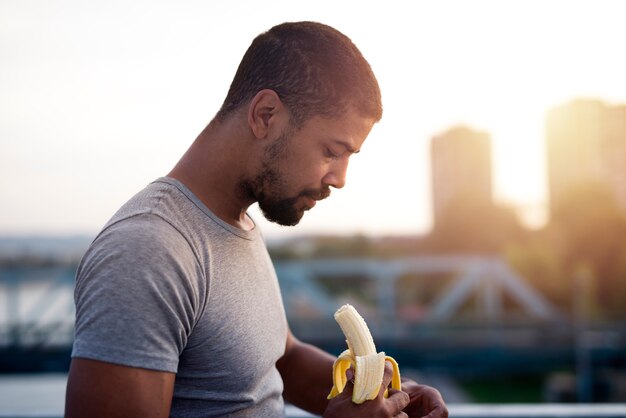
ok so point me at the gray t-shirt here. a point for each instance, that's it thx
(168, 286)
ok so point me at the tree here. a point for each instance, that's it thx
(590, 229)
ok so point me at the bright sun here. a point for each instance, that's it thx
(518, 154)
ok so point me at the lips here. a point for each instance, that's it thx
(310, 202)
(322, 194)
(311, 198)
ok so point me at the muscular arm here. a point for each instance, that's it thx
(307, 375)
(98, 389)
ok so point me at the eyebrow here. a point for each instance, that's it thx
(347, 146)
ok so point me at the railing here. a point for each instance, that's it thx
(456, 411)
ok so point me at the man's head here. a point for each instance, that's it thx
(312, 99)
(314, 69)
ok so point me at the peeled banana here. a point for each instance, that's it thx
(368, 365)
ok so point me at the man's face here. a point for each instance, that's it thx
(301, 166)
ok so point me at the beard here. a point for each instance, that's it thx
(283, 210)
(269, 189)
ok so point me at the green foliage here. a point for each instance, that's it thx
(512, 389)
(589, 227)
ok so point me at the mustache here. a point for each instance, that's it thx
(320, 194)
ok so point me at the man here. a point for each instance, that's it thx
(178, 311)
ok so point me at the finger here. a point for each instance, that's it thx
(433, 397)
(386, 379)
(401, 415)
(398, 399)
(350, 374)
(348, 389)
(438, 412)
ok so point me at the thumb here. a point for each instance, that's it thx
(348, 389)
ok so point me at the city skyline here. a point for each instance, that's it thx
(100, 100)
(586, 147)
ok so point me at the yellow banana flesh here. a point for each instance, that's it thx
(361, 355)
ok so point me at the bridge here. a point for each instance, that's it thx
(39, 308)
(37, 316)
(488, 278)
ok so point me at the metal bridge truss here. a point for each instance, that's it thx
(487, 278)
(38, 307)
(46, 316)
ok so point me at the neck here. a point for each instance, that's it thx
(213, 168)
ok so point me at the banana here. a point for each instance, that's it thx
(368, 365)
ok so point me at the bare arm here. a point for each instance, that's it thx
(98, 389)
(307, 375)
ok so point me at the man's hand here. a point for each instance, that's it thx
(307, 376)
(426, 402)
(341, 406)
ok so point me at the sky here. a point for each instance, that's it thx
(97, 99)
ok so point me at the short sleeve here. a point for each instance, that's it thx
(139, 291)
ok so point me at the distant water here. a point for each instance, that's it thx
(40, 395)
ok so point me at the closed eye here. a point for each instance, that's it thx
(330, 154)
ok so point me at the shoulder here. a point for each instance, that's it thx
(144, 233)
(143, 247)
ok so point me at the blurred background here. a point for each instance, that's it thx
(482, 231)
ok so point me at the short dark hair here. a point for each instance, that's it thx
(315, 70)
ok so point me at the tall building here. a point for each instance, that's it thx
(461, 169)
(586, 144)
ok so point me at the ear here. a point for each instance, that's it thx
(265, 113)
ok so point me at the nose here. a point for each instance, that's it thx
(336, 176)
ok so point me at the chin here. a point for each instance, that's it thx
(291, 221)
(282, 218)
(285, 212)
